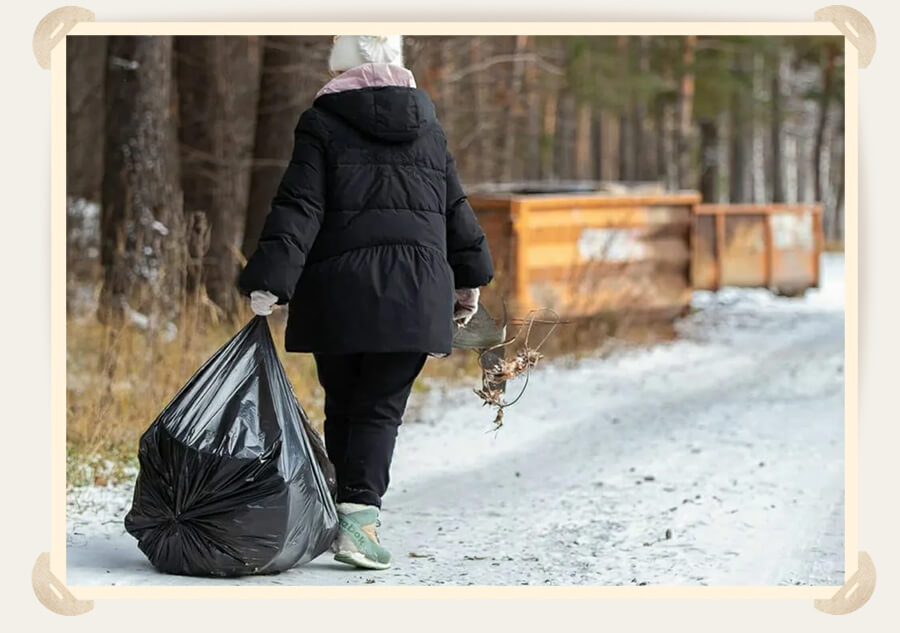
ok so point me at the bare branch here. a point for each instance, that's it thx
(528, 58)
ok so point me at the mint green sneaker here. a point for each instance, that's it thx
(357, 542)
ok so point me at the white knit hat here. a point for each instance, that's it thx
(352, 50)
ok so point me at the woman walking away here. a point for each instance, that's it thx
(372, 243)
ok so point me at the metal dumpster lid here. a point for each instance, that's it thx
(561, 187)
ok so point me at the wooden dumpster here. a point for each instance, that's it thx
(588, 254)
(774, 246)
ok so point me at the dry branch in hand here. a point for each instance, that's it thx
(495, 375)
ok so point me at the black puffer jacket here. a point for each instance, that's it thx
(370, 230)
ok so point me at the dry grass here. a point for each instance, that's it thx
(119, 379)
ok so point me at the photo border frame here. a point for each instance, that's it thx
(77, 21)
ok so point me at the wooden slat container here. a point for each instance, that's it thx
(627, 256)
(774, 246)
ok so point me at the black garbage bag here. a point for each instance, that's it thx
(229, 481)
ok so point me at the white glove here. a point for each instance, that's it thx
(262, 302)
(466, 305)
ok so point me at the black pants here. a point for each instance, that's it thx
(365, 397)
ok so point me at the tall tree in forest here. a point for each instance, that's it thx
(218, 79)
(758, 155)
(610, 145)
(665, 103)
(446, 93)
(532, 153)
(588, 102)
(548, 134)
(85, 78)
(775, 99)
(141, 219)
(514, 107)
(825, 94)
(565, 135)
(624, 72)
(685, 112)
(584, 154)
(709, 159)
(293, 69)
(716, 82)
(740, 128)
(661, 130)
(829, 56)
(642, 157)
(834, 222)
(480, 49)
(549, 89)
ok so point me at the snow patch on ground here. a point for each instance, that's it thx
(714, 459)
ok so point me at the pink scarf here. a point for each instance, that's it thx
(369, 76)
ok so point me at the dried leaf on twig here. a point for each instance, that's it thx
(494, 376)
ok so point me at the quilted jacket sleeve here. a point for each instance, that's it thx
(467, 248)
(295, 217)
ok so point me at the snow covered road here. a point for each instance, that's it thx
(716, 459)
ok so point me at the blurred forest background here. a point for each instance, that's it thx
(176, 145)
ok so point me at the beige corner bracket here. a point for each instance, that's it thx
(53, 28)
(855, 592)
(855, 27)
(52, 592)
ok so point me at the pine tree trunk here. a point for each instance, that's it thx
(834, 228)
(478, 53)
(740, 130)
(141, 220)
(738, 167)
(609, 150)
(565, 134)
(85, 78)
(532, 169)
(828, 72)
(777, 162)
(758, 162)
(837, 232)
(596, 143)
(666, 135)
(218, 79)
(624, 150)
(659, 146)
(803, 169)
(642, 157)
(584, 166)
(293, 69)
(663, 132)
(512, 109)
(549, 137)
(709, 160)
(626, 141)
(447, 92)
(685, 114)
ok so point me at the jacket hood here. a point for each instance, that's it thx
(396, 114)
(369, 76)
